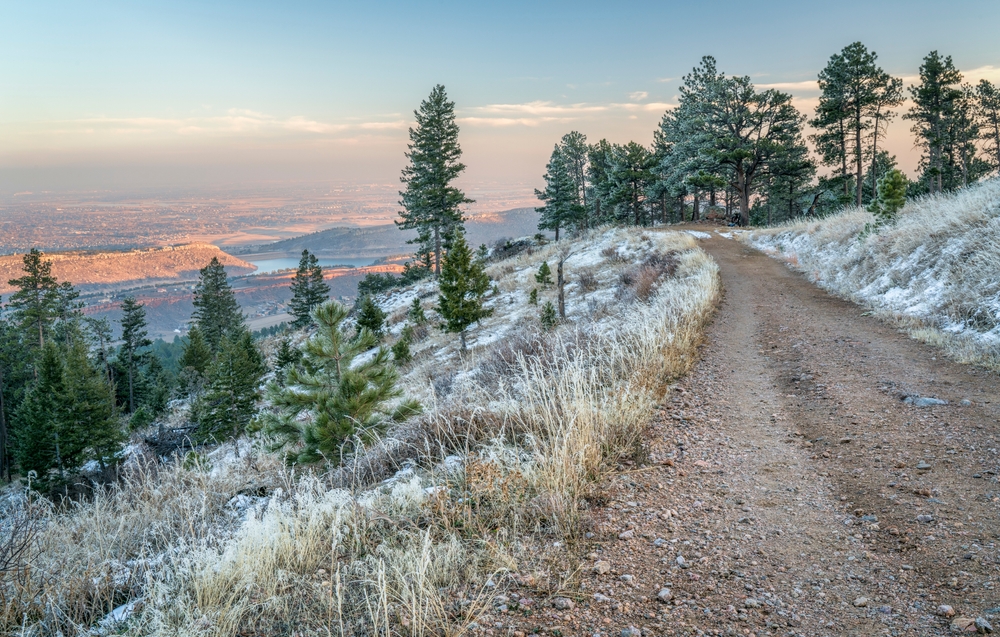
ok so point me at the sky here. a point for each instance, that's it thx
(127, 96)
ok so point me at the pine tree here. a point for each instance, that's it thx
(287, 355)
(416, 313)
(371, 317)
(232, 388)
(891, 196)
(309, 290)
(344, 399)
(215, 308)
(89, 425)
(431, 205)
(39, 299)
(561, 196)
(630, 177)
(544, 275)
(533, 297)
(988, 111)
(134, 340)
(575, 151)
(463, 284)
(548, 317)
(933, 103)
(401, 348)
(195, 361)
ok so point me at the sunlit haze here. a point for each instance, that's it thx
(129, 97)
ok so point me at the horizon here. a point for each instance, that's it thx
(121, 100)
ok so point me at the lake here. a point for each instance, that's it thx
(264, 266)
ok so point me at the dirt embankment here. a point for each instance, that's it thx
(793, 490)
(116, 268)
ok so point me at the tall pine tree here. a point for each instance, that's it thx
(215, 308)
(232, 388)
(561, 196)
(988, 110)
(934, 100)
(134, 341)
(39, 300)
(309, 290)
(431, 204)
(463, 284)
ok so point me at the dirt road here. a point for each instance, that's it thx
(790, 481)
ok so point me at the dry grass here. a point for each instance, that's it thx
(516, 434)
(935, 272)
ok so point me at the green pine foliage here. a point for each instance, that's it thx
(416, 313)
(371, 317)
(40, 300)
(463, 284)
(891, 196)
(133, 351)
(195, 361)
(533, 297)
(401, 349)
(309, 290)
(41, 445)
(431, 204)
(215, 308)
(89, 417)
(232, 388)
(548, 317)
(561, 198)
(287, 355)
(346, 401)
(544, 275)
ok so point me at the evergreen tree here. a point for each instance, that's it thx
(215, 308)
(287, 355)
(431, 205)
(309, 290)
(561, 196)
(134, 341)
(988, 111)
(544, 275)
(401, 348)
(39, 300)
(463, 284)
(631, 173)
(371, 317)
(232, 388)
(548, 316)
(575, 151)
(533, 297)
(891, 196)
(857, 96)
(416, 313)
(344, 399)
(89, 426)
(599, 160)
(195, 361)
(934, 101)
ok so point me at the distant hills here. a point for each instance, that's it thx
(94, 270)
(386, 240)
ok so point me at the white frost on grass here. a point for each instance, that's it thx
(939, 263)
(698, 234)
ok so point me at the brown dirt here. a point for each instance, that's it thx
(763, 469)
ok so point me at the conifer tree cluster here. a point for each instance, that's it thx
(463, 284)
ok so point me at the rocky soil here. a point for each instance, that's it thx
(798, 482)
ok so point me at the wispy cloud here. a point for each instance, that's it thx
(541, 112)
(638, 96)
(805, 86)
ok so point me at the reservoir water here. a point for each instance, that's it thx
(265, 266)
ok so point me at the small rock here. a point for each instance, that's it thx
(626, 578)
(664, 595)
(500, 600)
(751, 602)
(602, 568)
(844, 441)
(961, 623)
(631, 631)
(563, 603)
(923, 517)
(588, 535)
(944, 610)
(681, 561)
(924, 401)
(626, 535)
(659, 542)
(885, 610)
(601, 599)
(923, 466)
(861, 602)
(965, 402)
(983, 627)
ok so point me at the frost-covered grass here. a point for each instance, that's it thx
(420, 532)
(936, 271)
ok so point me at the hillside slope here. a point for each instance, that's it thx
(936, 270)
(84, 269)
(384, 240)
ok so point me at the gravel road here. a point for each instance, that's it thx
(795, 484)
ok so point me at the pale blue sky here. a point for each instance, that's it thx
(115, 94)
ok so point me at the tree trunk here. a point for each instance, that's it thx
(843, 156)
(680, 209)
(711, 198)
(858, 160)
(663, 206)
(461, 337)
(744, 194)
(694, 211)
(131, 390)
(437, 251)
(561, 283)
(812, 208)
(4, 466)
(557, 232)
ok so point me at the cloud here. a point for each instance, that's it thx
(638, 96)
(536, 113)
(806, 86)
